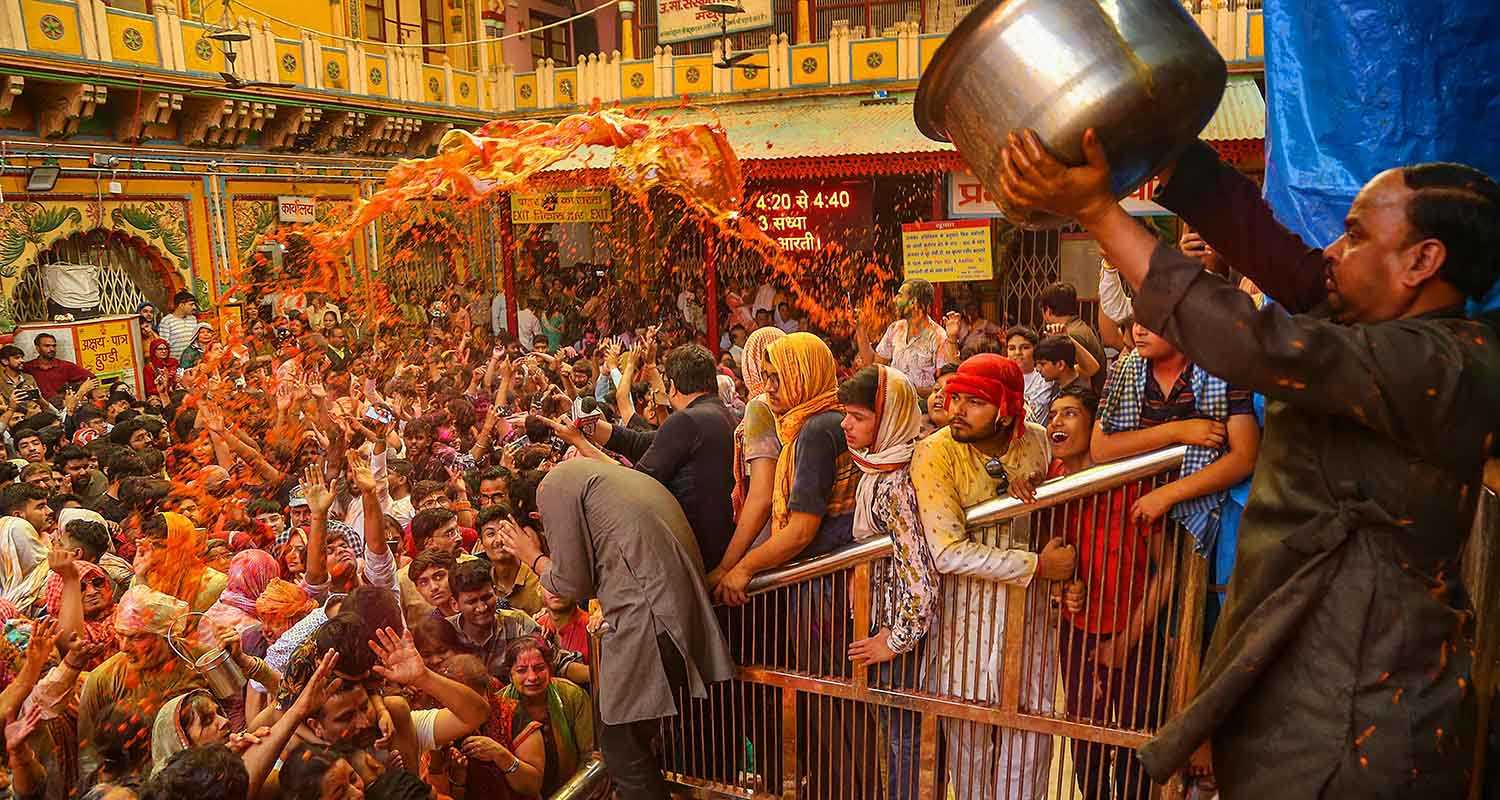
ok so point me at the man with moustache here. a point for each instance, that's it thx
(987, 449)
(1342, 664)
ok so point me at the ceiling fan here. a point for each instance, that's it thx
(228, 36)
(730, 60)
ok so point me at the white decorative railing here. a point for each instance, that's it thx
(90, 30)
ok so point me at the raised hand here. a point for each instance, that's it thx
(212, 419)
(359, 467)
(322, 685)
(400, 663)
(1033, 179)
(316, 489)
(952, 322)
(523, 543)
(23, 726)
(564, 431)
(80, 653)
(43, 642)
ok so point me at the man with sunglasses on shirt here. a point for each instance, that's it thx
(988, 448)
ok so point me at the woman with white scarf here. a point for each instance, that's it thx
(23, 562)
(882, 422)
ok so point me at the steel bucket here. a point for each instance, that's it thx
(223, 677)
(1140, 72)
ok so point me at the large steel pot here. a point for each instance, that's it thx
(1141, 72)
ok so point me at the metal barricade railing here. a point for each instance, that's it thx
(1004, 698)
(799, 721)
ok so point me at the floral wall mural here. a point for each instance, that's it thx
(29, 227)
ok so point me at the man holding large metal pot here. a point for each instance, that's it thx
(1341, 666)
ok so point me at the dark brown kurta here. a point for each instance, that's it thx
(1340, 667)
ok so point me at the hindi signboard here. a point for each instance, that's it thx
(296, 209)
(104, 348)
(109, 347)
(804, 216)
(948, 250)
(573, 205)
(685, 20)
(967, 198)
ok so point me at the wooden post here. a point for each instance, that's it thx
(711, 289)
(804, 21)
(938, 212)
(508, 261)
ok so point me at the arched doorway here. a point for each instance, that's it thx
(131, 272)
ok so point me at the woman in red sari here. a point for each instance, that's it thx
(493, 763)
(161, 370)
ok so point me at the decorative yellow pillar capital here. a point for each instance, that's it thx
(627, 29)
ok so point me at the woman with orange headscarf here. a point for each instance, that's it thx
(169, 559)
(812, 489)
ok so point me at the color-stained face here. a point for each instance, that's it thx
(200, 719)
(776, 395)
(346, 718)
(530, 674)
(98, 596)
(143, 650)
(492, 491)
(342, 782)
(903, 300)
(275, 523)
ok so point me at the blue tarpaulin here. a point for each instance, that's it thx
(1354, 87)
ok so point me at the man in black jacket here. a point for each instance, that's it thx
(692, 454)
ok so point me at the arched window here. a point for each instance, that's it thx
(130, 272)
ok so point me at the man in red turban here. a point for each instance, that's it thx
(988, 448)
